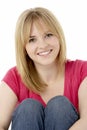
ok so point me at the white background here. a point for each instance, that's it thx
(72, 15)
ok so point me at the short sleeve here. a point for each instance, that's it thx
(76, 71)
(11, 79)
(83, 70)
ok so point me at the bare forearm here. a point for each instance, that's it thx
(81, 124)
(2, 129)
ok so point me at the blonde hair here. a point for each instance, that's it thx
(25, 65)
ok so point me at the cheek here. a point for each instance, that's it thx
(30, 49)
(57, 46)
(56, 43)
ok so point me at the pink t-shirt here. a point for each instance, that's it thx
(75, 72)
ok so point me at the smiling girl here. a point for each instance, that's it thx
(45, 90)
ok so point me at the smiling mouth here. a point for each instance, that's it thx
(44, 53)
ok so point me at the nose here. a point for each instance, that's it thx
(42, 43)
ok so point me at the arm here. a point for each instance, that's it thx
(2, 129)
(8, 100)
(81, 124)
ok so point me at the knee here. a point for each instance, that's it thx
(29, 112)
(60, 112)
(60, 105)
(58, 102)
(29, 107)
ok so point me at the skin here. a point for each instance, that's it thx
(43, 50)
(8, 101)
(81, 124)
(43, 46)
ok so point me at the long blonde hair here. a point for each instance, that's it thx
(25, 65)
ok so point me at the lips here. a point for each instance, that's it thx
(44, 53)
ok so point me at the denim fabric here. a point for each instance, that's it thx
(59, 114)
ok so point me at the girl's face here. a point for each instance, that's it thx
(43, 46)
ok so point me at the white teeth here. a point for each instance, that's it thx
(44, 53)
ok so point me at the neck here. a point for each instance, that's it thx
(50, 73)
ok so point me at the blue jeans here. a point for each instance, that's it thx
(59, 114)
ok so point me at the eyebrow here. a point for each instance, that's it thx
(32, 36)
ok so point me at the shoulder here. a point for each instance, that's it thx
(77, 68)
(12, 77)
(76, 63)
(12, 72)
(76, 72)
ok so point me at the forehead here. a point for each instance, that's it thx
(39, 26)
